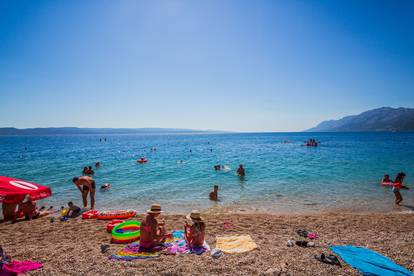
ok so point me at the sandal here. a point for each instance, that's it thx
(302, 233)
(330, 259)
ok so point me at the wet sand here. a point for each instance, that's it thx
(73, 247)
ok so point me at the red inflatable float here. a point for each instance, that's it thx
(112, 224)
(119, 214)
(92, 214)
(142, 160)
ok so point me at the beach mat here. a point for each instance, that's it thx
(235, 244)
(175, 244)
(17, 267)
(369, 262)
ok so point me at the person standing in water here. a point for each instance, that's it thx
(240, 171)
(214, 194)
(398, 185)
(86, 185)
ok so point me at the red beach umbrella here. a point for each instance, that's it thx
(13, 190)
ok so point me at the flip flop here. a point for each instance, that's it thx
(330, 259)
(302, 233)
(104, 248)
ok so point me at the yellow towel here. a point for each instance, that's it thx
(235, 244)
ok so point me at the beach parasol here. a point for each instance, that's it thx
(13, 190)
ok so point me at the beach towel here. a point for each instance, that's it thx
(16, 267)
(176, 244)
(235, 244)
(369, 262)
(179, 245)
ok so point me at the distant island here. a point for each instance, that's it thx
(97, 131)
(380, 119)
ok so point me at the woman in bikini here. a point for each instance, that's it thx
(86, 185)
(194, 229)
(398, 185)
(152, 231)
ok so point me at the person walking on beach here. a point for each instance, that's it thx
(398, 185)
(86, 185)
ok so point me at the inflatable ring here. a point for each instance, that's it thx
(126, 232)
(92, 214)
(112, 224)
(388, 183)
(119, 214)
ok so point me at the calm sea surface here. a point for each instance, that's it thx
(343, 173)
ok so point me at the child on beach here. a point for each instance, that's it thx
(152, 232)
(74, 210)
(214, 194)
(398, 184)
(194, 229)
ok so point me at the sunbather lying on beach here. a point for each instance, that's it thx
(152, 232)
(194, 229)
(29, 209)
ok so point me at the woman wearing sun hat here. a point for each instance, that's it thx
(152, 231)
(194, 229)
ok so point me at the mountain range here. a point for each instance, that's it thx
(380, 119)
(76, 130)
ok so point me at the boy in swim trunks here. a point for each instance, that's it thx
(152, 231)
(74, 210)
(86, 185)
(214, 194)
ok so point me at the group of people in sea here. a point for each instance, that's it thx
(397, 185)
(153, 232)
(311, 143)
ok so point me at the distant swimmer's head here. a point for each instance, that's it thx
(216, 187)
(400, 177)
(70, 203)
(75, 179)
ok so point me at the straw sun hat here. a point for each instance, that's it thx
(195, 216)
(155, 209)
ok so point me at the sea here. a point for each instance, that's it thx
(342, 174)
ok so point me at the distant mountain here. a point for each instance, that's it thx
(75, 130)
(380, 119)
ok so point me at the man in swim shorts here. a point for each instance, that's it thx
(86, 185)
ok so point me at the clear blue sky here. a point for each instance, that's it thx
(227, 65)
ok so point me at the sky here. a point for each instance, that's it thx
(279, 65)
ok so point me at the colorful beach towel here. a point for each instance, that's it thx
(174, 245)
(179, 245)
(16, 267)
(369, 262)
(235, 244)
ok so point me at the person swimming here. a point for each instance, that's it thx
(97, 165)
(217, 167)
(386, 180)
(106, 186)
(241, 171)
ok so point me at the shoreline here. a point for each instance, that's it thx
(65, 248)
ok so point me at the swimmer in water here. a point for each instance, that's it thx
(106, 186)
(217, 167)
(386, 179)
(97, 164)
(398, 185)
(241, 171)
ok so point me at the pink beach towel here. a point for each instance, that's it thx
(16, 267)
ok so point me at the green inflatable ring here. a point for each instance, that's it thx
(126, 232)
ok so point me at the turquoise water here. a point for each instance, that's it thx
(342, 174)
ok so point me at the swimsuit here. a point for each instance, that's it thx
(86, 188)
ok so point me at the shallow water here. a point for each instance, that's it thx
(343, 173)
